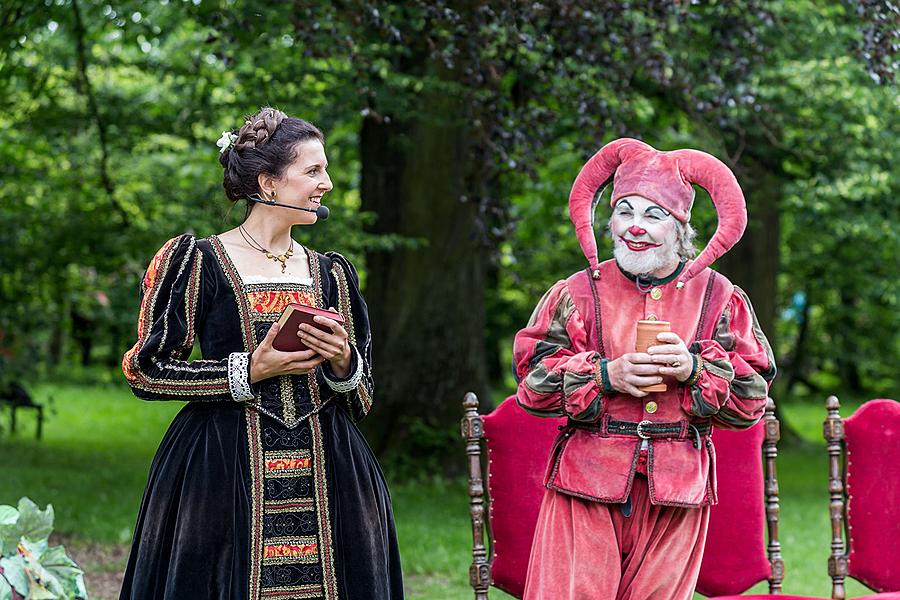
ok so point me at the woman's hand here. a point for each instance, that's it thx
(333, 345)
(673, 355)
(630, 372)
(267, 362)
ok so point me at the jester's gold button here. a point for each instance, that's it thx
(652, 317)
(651, 407)
(656, 293)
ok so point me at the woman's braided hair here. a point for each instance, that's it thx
(266, 144)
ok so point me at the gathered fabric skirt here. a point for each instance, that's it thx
(195, 529)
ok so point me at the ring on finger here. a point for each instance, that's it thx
(676, 363)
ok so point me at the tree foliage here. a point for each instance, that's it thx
(455, 129)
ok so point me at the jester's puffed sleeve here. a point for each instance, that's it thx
(557, 375)
(356, 389)
(156, 367)
(734, 370)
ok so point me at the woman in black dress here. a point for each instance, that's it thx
(263, 487)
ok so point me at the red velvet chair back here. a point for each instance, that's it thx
(518, 447)
(872, 476)
(735, 558)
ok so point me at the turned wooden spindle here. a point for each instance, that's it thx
(472, 431)
(834, 435)
(770, 453)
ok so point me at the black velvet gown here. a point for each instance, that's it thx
(262, 491)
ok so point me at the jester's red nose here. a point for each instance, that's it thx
(636, 231)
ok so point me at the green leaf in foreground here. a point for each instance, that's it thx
(34, 524)
(14, 572)
(5, 590)
(30, 566)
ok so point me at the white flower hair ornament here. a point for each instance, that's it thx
(226, 141)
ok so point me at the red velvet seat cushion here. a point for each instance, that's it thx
(735, 557)
(771, 597)
(873, 492)
(519, 445)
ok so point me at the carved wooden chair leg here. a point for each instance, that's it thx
(834, 435)
(770, 453)
(473, 430)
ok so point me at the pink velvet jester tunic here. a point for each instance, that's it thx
(597, 459)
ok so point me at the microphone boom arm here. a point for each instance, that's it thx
(321, 211)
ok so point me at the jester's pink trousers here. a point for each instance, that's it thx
(586, 550)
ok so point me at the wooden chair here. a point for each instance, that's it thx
(518, 446)
(864, 483)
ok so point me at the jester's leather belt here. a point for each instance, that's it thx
(646, 430)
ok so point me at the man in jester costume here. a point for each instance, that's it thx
(632, 474)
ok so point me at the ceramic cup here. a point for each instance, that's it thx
(646, 337)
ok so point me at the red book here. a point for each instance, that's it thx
(294, 314)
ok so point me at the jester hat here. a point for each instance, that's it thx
(664, 178)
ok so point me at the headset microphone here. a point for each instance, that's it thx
(321, 211)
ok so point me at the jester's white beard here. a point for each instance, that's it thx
(647, 262)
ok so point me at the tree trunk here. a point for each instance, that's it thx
(796, 367)
(754, 262)
(83, 331)
(846, 347)
(426, 302)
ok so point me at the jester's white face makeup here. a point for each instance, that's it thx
(644, 236)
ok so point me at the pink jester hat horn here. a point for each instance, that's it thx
(593, 175)
(711, 174)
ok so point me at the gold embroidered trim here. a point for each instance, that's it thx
(192, 297)
(317, 277)
(326, 549)
(286, 391)
(344, 299)
(275, 507)
(340, 276)
(237, 286)
(294, 592)
(364, 397)
(254, 446)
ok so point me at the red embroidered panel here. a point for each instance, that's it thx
(271, 301)
(282, 464)
(307, 548)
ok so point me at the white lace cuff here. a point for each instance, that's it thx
(349, 384)
(239, 376)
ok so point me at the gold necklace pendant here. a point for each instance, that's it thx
(282, 258)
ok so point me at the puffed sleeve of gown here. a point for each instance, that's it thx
(737, 368)
(156, 367)
(355, 391)
(557, 375)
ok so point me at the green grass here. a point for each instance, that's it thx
(93, 461)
